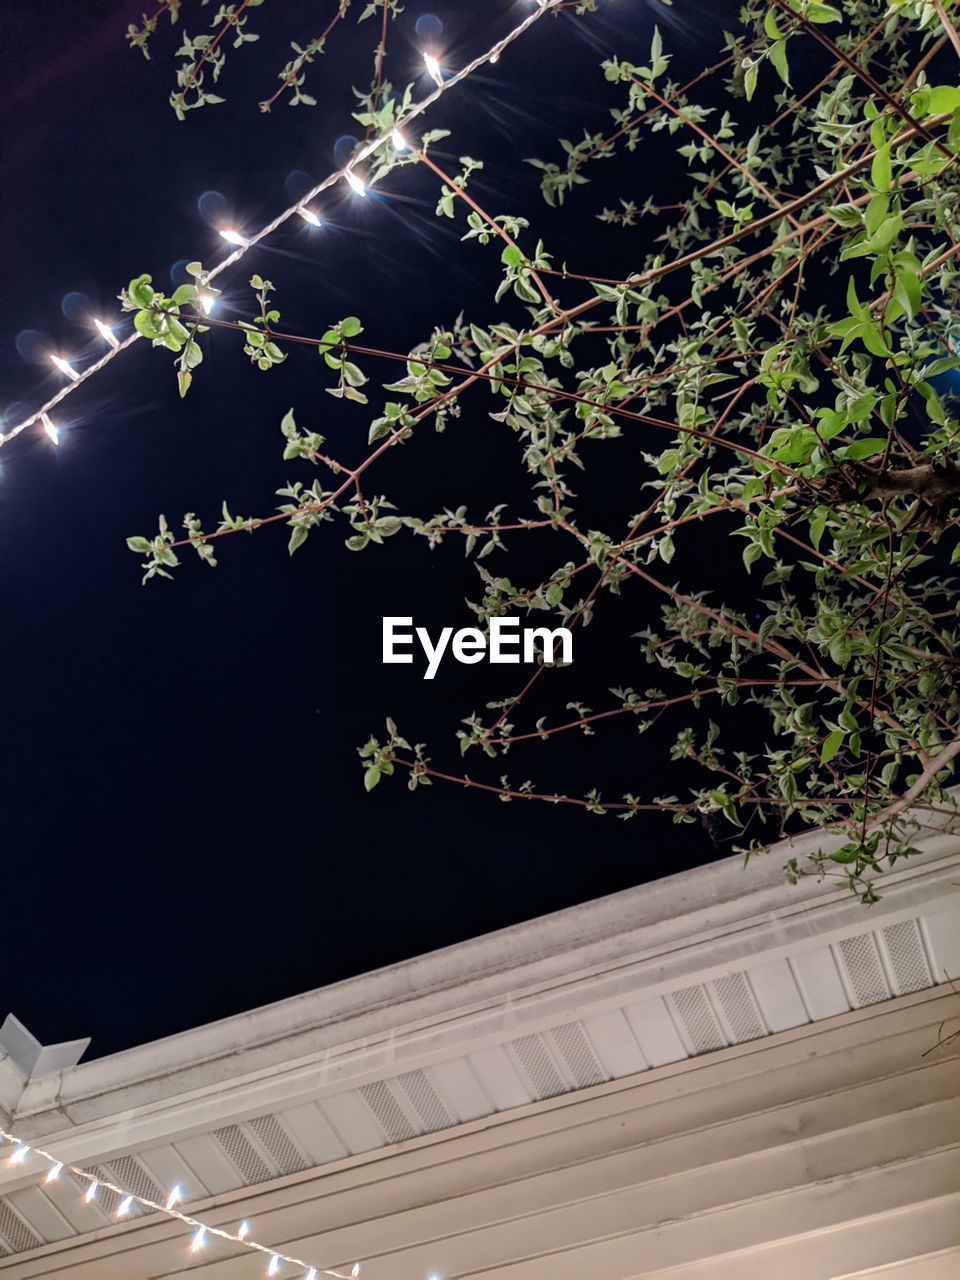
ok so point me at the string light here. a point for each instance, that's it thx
(65, 367)
(308, 216)
(354, 183)
(433, 69)
(50, 427)
(492, 55)
(207, 302)
(399, 141)
(106, 333)
(202, 1231)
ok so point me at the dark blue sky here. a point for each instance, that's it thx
(185, 833)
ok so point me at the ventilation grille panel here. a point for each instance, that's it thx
(392, 1118)
(277, 1142)
(907, 957)
(577, 1053)
(426, 1101)
(131, 1175)
(864, 970)
(106, 1201)
(536, 1061)
(240, 1150)
(698, 1019)
(16, 1235)
(739, 1007)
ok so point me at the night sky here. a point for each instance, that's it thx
(185, 830)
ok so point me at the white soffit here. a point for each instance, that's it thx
(655, 975)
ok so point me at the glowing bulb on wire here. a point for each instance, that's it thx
(207, 302)
(433, 69)
(91, 1192)
(54, 1173)
(106, 333)
(124, 1206)
(233, 237)
(309, 217)
(65, 367)
(19, 1155)
(399, 141)
(175, 1196)
(244, 1230)
(354, 183)
(199, 1240)
(274, 1267)
(50, 427)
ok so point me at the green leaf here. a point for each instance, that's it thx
(298, 536)
(511, 256)
(881, 173)
(140, 291)
(371, 777)
(831, 746)
(849, 853)
(140, 545)
(778, 56)
(847, 215)
(863, 448)
(350, 327)
(750, 80)
(145, 324)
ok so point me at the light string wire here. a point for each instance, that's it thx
(201, 1229)
(492, 55)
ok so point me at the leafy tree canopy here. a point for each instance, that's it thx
(776, 365)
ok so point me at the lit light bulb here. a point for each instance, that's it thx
(232, 237)
(54, 1173)
(274, 1267)
(50, 427)
(399, 141)
(65, 367)
(207, 302)
(311, 1274)
(199, 1240)
(90, 1192)
(355, 1269)
(308, 216)
(19, 1155)
(494, 58)
(244, 1230)
(175, 1196)
(433, 69)
(106, 333)
(354, 183)
(123, 1208)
